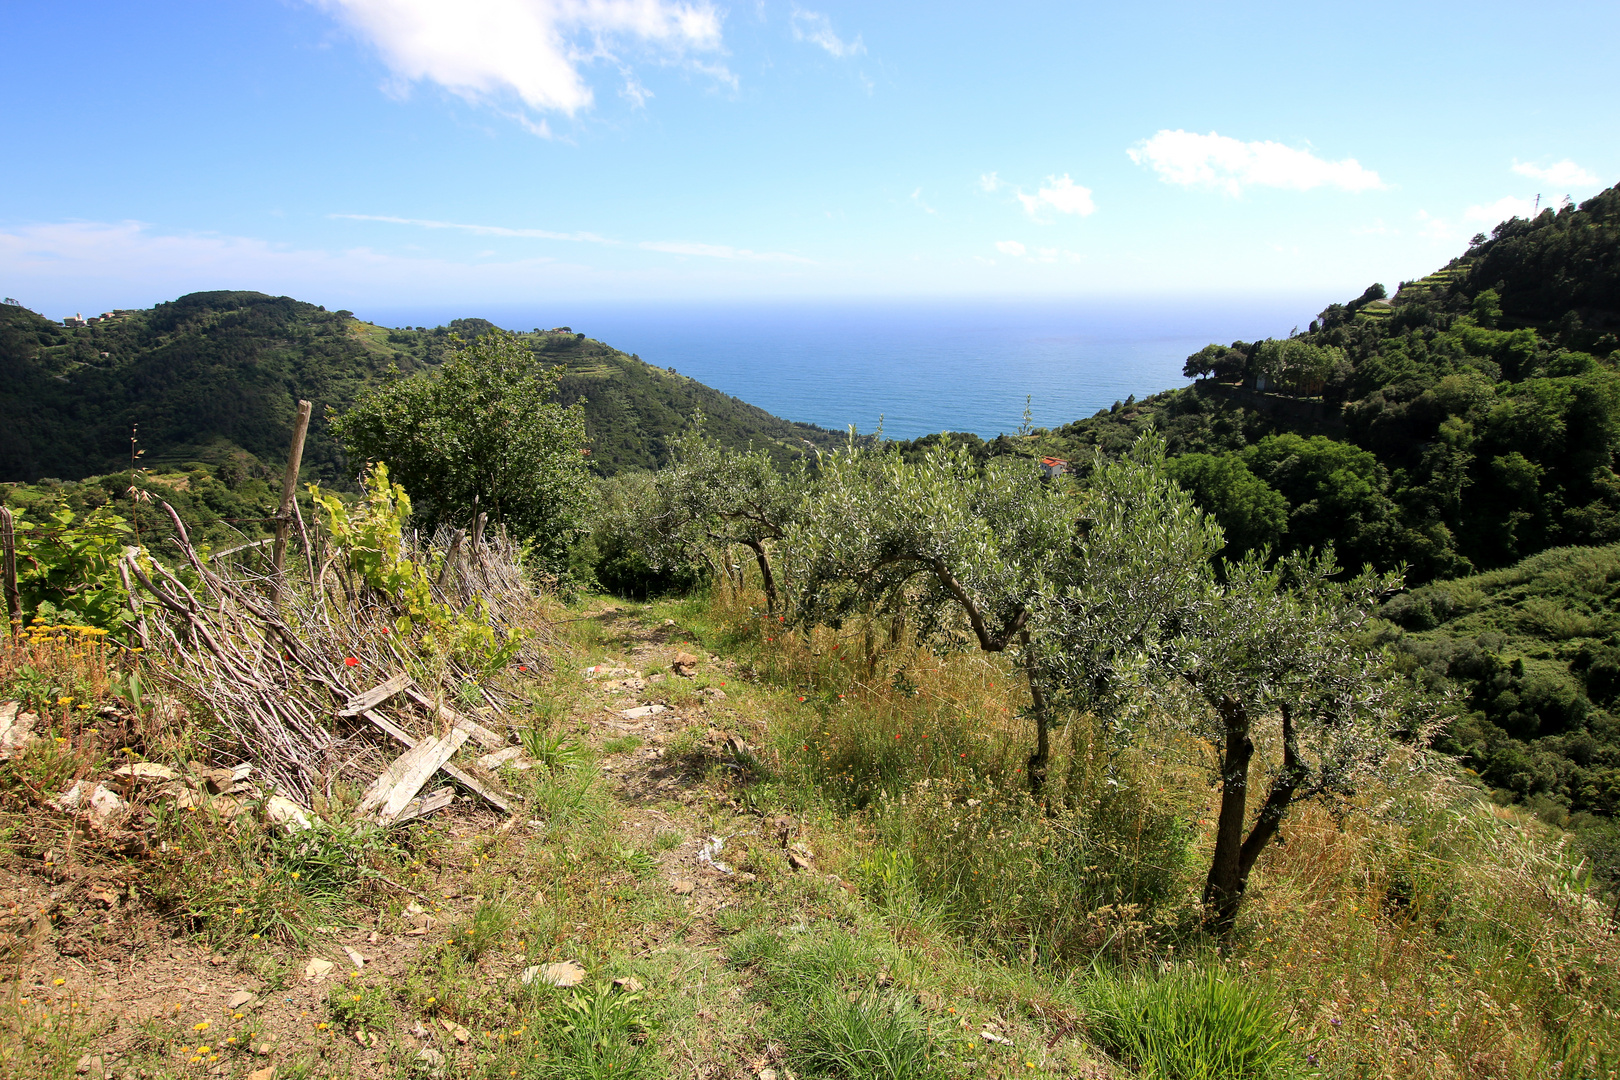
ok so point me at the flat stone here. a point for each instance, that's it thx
(565, 973)
(279, 810)
(682, 888)
(317, 968)
(147, 770)
(16, 729)
(104, 803)
(643, 710)
(242, 999)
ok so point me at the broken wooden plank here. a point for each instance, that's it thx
(400, 782)
(486, 738)
(370, 699)
(494, 761)
(426, 804)
(459, 775)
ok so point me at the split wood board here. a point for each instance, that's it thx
(370, 699)
(399, 783)
(459, 775)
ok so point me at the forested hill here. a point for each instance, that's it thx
(214, 378)
(1468, 421)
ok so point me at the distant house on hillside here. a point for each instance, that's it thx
(77, 320)
(1052, 467)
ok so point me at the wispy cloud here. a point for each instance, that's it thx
(497, 52)
(668, 247)
(60, 267)
(719, 251)
(479, 230)
(916, 197)
(990, 183)
(1560, 174)
(1059, 194)
(1217, 161)
(817, 29)
(1010, 247)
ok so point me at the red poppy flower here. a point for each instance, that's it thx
(351, 661)
(523, 667)
(385, 629)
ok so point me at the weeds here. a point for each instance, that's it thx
(359, 1009)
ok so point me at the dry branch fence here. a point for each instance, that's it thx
(311, 680)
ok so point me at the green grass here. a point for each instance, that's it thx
(1192, 1025)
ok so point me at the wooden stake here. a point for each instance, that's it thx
(8, 540)
(289, 491)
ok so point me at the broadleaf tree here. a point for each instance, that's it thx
(484, 431)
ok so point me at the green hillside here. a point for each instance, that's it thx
(1533, 647)
(1465, 423)
(213, 378)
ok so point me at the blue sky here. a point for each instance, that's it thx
(384, 153)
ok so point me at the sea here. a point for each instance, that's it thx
(916, 366)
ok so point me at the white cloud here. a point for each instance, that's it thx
(816, 28)
(1506, 207)
(1560, 174)
(1061, 194)
(1217, 161)
(492, 51)
(1433, 228)
(990, 183)
(1010, 247)
(916, 197)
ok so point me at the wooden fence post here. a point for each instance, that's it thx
(8, 540)
(289, 491)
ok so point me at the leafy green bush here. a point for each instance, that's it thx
(371, 538)
(483, 433)
(67, 570)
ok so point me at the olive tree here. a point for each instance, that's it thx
(1150, 631)
(710, 495)
(960, 549)
(481, 431)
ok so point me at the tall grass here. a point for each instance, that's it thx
(1427, 933)
(1192, 1025)
(830, 1011)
